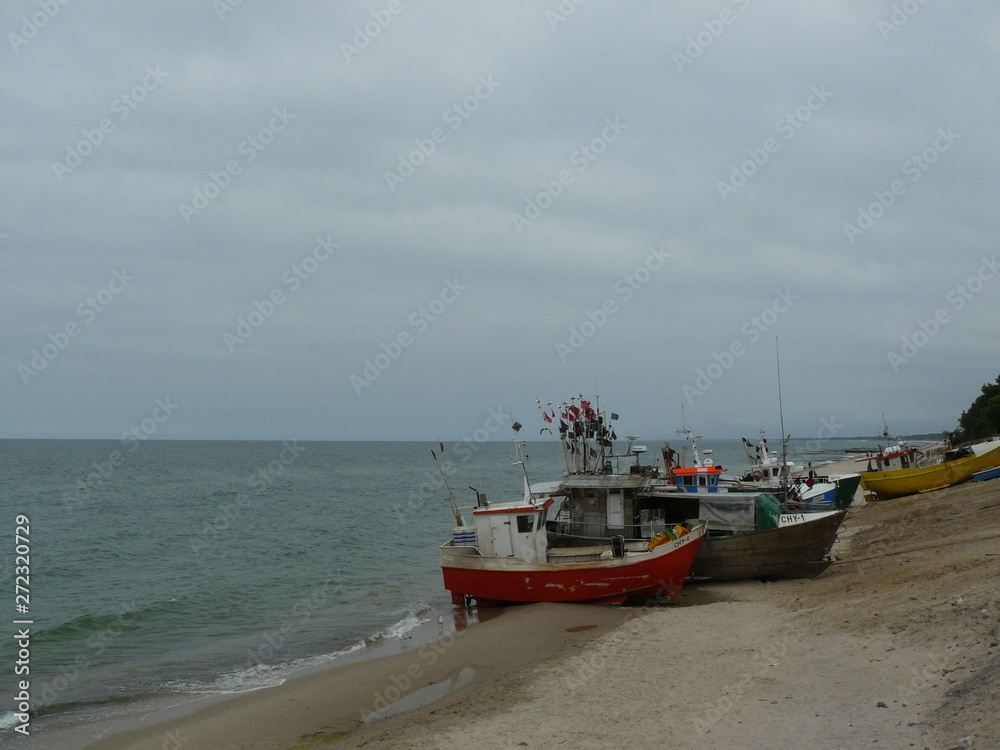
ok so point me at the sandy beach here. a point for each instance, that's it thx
(897, 645)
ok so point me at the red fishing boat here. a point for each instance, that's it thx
(504, 556)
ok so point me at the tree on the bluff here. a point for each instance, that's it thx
(982, 418)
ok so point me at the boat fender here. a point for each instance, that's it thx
(661, 538)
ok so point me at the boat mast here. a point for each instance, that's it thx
(690, 439)
(784, 474)
(459, 521)
(585, 435)
(550, 419)
(519, 459)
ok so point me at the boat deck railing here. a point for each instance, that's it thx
(970, 443)
(586, 530)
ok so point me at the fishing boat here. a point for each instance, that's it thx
(847, 484)
(892, 457)
(504, 556)
(751, 535)
(798, 548)
(766, 470)
(748, 536)
(982, 476)
(643, 503)
(808, 491)
(958, 464)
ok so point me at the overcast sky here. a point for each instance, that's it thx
(391, 220)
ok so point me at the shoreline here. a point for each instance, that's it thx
(81, 727)
(346, 697)
(896, 645)
(898, 642)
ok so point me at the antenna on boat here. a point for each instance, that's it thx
(519, 459)
(584, 438)
(459, 521)
(549, 419)
(784, 472)
(690, 439)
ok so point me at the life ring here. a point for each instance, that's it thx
(758, 474)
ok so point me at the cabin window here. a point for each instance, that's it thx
(525, 524)
(701, 481)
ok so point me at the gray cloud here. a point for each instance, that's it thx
(290, 119)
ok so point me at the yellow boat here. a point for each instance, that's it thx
(958, 465)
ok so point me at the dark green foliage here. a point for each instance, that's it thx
(982, 418)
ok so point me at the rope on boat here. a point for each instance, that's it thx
(907, 551)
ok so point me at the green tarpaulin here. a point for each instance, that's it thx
(768, 510)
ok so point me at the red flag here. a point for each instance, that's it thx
(546, 417)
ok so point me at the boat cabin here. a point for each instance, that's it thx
(599, 506)
(893, 457)
(697, 478)
(512, 530)
(767, 474)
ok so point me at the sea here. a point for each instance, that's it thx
(166, 571)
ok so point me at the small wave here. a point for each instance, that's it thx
(256, 677)
(127, 617)
(411, 620)
(239, 681)
(8, 720)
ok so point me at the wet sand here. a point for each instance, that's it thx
(896, 645)
(321, 708)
